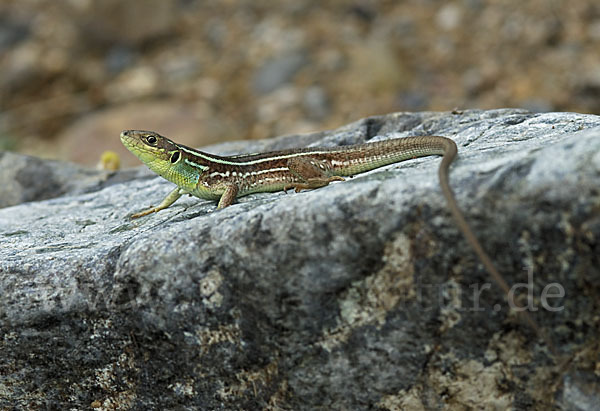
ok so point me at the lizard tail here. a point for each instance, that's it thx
(450, 153)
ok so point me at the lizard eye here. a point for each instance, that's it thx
(151, 140)
(175, 157)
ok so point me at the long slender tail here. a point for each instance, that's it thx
(450, 152)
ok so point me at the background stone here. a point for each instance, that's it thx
(248, 67)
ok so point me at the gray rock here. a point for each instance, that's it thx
(118, 58)
(359, 295)
(12, 31)
(278, 71)
(316, 103)
(25, 178)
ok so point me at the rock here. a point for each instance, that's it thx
(12, 32)
(278, 71)
(114, 21)
(359, 295)
(25, 178)
(119, 58)
(316, 103)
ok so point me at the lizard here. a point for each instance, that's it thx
(225, 178)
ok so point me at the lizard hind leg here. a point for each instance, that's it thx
(312, 173)
(228, 197)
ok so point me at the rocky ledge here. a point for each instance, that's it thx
(359, 295)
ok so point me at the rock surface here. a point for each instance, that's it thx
(25, 178)
(359, 295)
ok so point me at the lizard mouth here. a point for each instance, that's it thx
(137, 147)
(127, 139)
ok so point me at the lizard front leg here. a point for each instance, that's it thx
(313, 173)
(167, 201)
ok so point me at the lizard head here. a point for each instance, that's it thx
(158, 153)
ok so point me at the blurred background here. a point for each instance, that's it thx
(74, 73)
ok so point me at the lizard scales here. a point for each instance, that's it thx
(215, 177)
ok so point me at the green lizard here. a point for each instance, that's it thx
(224, 179)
